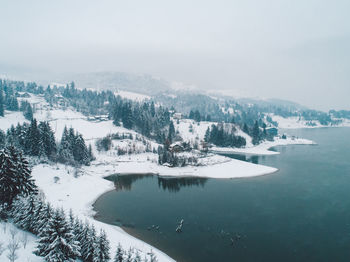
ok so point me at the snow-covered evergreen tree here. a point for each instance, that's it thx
(152, 257)
(47, 138)
(33, 139)
(65, 153)
(80, 152)
(43, 218)
(24, 213)
(2, 139)
(101, 251)
(15, 176)
(1, 103)
(88, 243)
(57, 243)
(137, 257)
(119, 255)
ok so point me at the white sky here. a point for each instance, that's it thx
(291, 49)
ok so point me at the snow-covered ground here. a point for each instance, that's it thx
(296, 122)
(132, 96)
(264, 147)
(79, 193)
(192, 131)
(26, 241)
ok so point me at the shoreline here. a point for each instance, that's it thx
(91, 184)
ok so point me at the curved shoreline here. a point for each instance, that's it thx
(68, 192)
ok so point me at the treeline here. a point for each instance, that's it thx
(39, 140)
(219, 136)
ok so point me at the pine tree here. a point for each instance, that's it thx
(47, 138)
(129, 255)
(78, 232)
(207, 135)
(119, 256)
(88, 243)
(57, 243)
(32, 144)
(15, 176)
(80, 151)
(65, 149)
(256, 133)
(2, 139)
(28, 111)
(43, 218)
(25, 215)
(152, 257)
(171, 133)
(101, 252)
(137, 257)
(245, 129)
(1, 103)
(91, 154)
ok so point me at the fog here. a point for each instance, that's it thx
(296, 50)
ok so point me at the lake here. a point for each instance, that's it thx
(300, 213)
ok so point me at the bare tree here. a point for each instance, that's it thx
(24, 239)
(2, 248)
(13, 233)
(12, 248)
(4, 227)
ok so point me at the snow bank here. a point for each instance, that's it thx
(295, 122)
(79, 193)
(263, 148)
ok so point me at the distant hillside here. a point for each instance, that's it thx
(144, 84)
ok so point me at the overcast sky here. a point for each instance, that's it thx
(297, 49)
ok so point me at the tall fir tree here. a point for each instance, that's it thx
(15, 176)
(48, 142)
(88, 244)
(65, 153)
(101, 251)
(256, 133)
(57, 243)
(2, 111)
(33, 144)
(119, 255)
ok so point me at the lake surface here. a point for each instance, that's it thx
(300, 213)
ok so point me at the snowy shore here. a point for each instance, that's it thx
(80, 192)
(264, 147)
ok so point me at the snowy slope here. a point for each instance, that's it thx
(192, 131)
(24, 253)
(132, 96)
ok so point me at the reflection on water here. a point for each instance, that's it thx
(123, 182)
(174, 184)
(248, 158)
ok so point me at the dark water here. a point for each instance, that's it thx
(300, 213)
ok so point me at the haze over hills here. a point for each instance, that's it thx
(143, 84)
